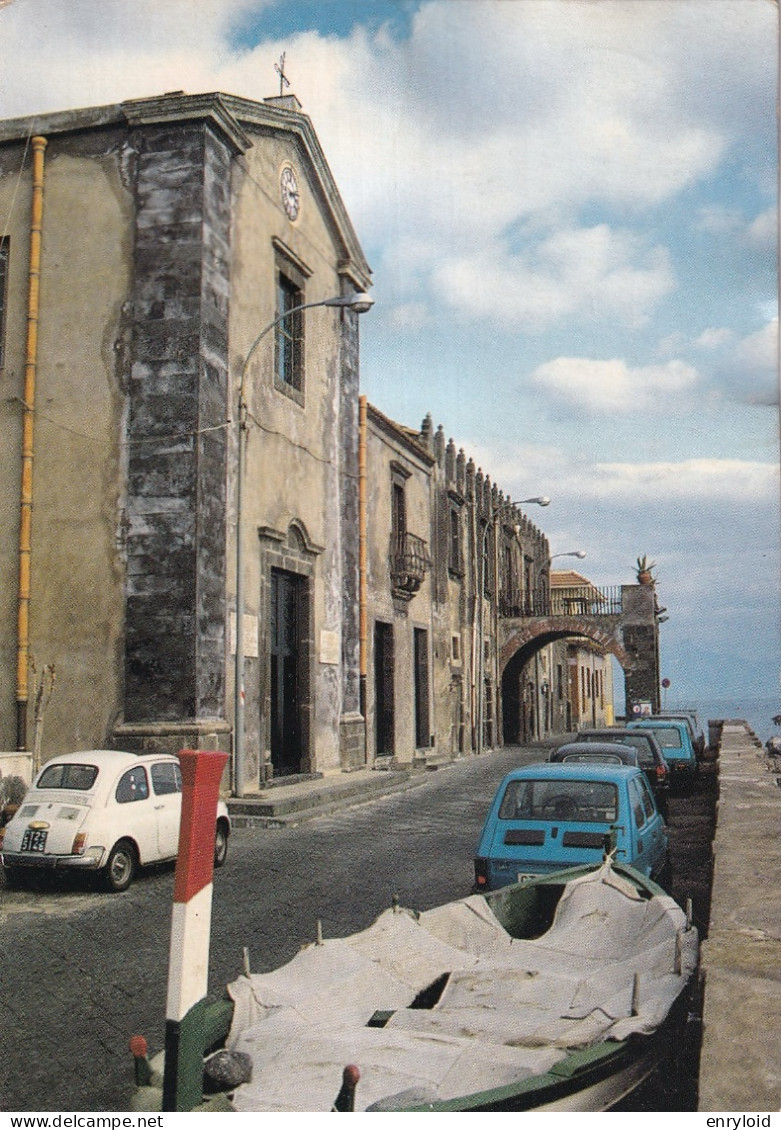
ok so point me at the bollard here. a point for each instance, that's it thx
(188, 964)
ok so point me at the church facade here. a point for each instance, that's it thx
(170, 231)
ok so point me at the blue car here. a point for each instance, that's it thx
(549, 817)
(676, 745)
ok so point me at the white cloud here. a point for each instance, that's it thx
(763, 231)
(748, 372)
(759, 351)
(715, 338)
(695, 480)
(613, 386)
(595, 273)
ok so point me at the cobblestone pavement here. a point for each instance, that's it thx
(82, 971)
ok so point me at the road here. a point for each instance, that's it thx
(82, 971)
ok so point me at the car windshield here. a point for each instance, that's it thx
(565, 800)
(68, 776)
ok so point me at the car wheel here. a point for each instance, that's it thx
(220, 845)
(121, 866)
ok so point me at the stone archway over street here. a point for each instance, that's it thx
(624, 624)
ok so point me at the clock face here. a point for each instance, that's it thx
(288, 185)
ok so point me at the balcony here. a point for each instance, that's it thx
(409, 562)
(576, 601)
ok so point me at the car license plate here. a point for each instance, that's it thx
(523, 875)
(34, 839)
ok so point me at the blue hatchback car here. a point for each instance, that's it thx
(676, 745)
(549, 817)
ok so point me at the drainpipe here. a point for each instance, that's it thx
(363, 618)
(28, 417)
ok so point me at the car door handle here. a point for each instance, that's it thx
(158, 807)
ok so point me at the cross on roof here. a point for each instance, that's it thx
(280, 69)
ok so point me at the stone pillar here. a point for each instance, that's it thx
(640, 634)
(177, 441)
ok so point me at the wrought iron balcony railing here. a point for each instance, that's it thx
(575, 601)
(409, 562)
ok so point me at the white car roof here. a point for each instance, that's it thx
(109, 762)
(107, 758)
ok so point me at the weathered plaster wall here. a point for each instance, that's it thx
(77, 568)
(295, 468)
(384, 449)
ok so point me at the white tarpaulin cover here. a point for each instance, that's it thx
(509, 1010)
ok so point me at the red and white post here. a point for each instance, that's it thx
(188, 965)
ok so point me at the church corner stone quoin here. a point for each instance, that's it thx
(171, 231)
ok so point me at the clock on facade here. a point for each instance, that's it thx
(288, 185)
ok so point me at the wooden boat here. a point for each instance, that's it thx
(562, 992)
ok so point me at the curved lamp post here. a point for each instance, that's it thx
(359, 303)
(581, 553)
(538, 500)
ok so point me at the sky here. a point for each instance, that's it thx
(570, 211)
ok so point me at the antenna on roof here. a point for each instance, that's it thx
(280, 69)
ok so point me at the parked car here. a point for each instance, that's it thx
(690, 718)
(605, 753)
(101, 811)
(548, 817)
(676, 745)
(649, 756)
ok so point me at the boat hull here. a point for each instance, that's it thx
(596, 1077)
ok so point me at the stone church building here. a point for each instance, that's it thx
(147, 246)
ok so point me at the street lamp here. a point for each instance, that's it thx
(581, 553)
(538, 500)
(359, 303)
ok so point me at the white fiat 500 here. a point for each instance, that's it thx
(101, 811)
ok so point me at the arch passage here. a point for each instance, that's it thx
(535, 634)
(519, 708)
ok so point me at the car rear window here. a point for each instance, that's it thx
(669, 739)
(68, 776)
(132, 786)
(602, 758)
(575, 801)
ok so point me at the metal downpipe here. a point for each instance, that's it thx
(28, 418)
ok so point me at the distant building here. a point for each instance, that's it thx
(447, 556)
(589, 681)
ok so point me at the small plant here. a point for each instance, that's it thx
(644, 570)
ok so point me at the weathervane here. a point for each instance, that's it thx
(280, 69)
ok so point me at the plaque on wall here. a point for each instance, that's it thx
(329, 647)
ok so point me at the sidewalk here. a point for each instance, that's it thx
(282, 804)
(740, 1067)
